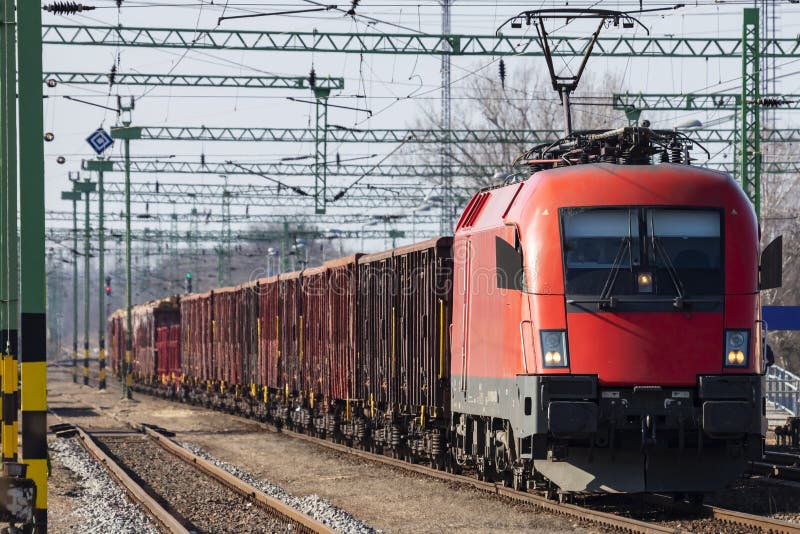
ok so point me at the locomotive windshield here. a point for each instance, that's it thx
(642, 251)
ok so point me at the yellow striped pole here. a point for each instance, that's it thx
(33, 321)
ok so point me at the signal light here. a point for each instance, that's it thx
(108, 286)
(188, 282)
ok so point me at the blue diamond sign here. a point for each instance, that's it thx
(100, 140)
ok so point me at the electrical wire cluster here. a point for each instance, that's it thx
(632, 145)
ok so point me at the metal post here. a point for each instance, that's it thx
(33, 320)
(446, 154)
(750, 152)
(101, 166)
(9, 261)
(86, 281)
(86, 188)
(321, 149)
(74, 196)
(126, 132)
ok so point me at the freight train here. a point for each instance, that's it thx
(595, 327)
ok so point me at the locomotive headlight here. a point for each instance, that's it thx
(737, 344)
(554, 347)
(645, 282)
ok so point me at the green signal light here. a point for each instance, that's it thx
(188, 276)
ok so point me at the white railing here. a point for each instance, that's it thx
(783, 389)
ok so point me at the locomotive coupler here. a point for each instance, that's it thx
(648, 431)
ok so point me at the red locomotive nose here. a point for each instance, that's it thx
(638, 349)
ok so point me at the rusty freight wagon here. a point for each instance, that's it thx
(289, 367)
(197, 349)
(404, 314)
(313, 352)
(247, 332)
(342, 322)
(115, 337)
(146, 319)
(269, 325)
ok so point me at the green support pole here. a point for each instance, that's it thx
(126, 132)
(750, 151)
(101, 166)
(74, 197)
(33, 321)
(9, 305)
(86, 188)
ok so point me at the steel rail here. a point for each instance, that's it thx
(766, 524)
(275, 507)
(134, 490)
(776, 471)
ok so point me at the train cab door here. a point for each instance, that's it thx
(463, 283)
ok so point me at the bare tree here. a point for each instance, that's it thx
(526, 101)
(780, 214)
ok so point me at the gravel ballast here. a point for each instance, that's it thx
(100, 504)
(312, 505)
(199, 501)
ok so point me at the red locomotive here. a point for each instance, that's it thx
(595, 327)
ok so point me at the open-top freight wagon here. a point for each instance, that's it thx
(357, 348)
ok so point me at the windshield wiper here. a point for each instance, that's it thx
(606, 300)
(658, 248)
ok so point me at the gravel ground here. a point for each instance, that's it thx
(203, 504)
(311, 505)
(97, 503)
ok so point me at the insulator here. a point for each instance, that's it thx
(51, 82)
(112, 75)
(353, 6)
(772, 102)
(49, 136)
(312, 78)
(675, 152)
(61, 160)
(502, 73)
(66, 8)
(664, 156)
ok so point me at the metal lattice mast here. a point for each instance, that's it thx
(74, 196)
(193, 80)
(86, 187)
(320, 148)
(446, 155)
(750, 151)
(519, 137)
(126, 132)
(174, 284)
(101, 166)
(404, 44)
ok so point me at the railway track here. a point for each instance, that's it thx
(686, 517)
(778, 466)
(185, 493)
(662, 514)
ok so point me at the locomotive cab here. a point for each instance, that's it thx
(618, 348)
